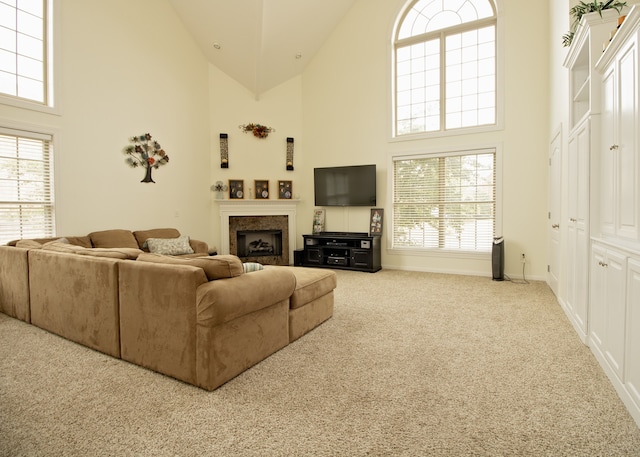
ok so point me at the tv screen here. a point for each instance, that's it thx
(345, 186)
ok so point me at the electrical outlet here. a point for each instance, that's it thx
(523, 258)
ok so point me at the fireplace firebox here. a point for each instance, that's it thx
(258, 243)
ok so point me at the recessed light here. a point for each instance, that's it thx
(299, 55)
(217, 45)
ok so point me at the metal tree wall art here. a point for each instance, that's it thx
(147, 153)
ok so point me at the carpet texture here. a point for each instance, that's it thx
(411, 364)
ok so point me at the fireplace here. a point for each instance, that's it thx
(262, 239)
(263, 215)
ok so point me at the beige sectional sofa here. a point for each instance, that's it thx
(198, 318)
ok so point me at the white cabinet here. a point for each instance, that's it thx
(619, 162)
(614, 319)
(632, 359)
(584, 109)
(608, 306)
(577, 271)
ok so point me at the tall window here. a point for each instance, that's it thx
(26, 195)
(23, 49)
(445, 66)
(445, 201)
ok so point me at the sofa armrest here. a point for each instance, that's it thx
(14, 282)
(199, 247)
(224, 300)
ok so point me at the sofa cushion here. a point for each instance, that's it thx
(169, 246)
(113, 253)
(77, 240)
(28, 244)
(311, 283)
(116, 238)
(215, 267)
(143, 235)
(33, 244)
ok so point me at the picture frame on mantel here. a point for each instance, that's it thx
(236, 189)
(262, 189)
(285, 189)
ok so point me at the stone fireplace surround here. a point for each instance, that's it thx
(256, 208)
(270, 223)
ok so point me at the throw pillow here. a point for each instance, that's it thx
(215, 267)
(248, 267)
(169, 246)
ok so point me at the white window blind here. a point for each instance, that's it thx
(26, 193)
(445, 201)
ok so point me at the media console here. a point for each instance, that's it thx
(343, 250)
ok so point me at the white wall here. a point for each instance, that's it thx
(127, 68)
(346, 112)
(252, 158)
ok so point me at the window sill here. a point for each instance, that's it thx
(28, 105)
(443, 253)
(446, 133)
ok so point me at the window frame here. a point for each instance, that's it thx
(444, 152)
(51, 104)
(499, 75)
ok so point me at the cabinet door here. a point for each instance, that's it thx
(577, 227)
(615, 301)
(632, 355)
(597, 305)
(607, 153)
(607, 313)
(361, 258)
(313, 255)
(627, 188)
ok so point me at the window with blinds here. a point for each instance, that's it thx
(26, 191)
(445, 201)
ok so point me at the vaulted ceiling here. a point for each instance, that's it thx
(261, 43)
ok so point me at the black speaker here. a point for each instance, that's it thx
(497, 259)
(298, 254)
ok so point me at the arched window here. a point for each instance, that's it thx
(445, 66)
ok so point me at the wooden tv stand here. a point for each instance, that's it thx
(343, 250)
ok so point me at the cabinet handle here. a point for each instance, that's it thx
(602, 264)
(571, 219)
(613, 147)
(555, 226)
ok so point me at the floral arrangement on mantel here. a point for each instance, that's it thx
(145, 152)
(258, 130)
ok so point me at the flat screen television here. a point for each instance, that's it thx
(345, 186)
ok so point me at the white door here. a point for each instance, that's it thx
(555, 200)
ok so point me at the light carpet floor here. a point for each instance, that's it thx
(411, 364)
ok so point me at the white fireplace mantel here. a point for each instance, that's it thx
(229, 208)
